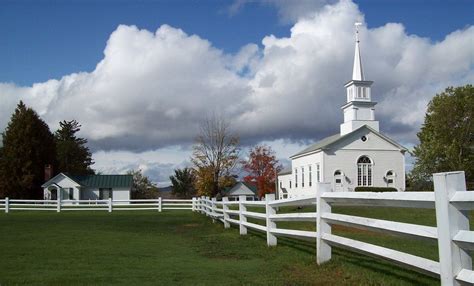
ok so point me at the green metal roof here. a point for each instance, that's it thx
(103, 181)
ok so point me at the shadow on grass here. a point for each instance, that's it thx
(381, 267)
(355, 261)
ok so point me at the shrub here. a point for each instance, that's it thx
(375, 189)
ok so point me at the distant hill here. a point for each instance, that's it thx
(166, 189)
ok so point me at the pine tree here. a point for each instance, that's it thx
(183, 183)
(72, 154)
(28, 145)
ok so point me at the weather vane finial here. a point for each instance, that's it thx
(357, 24)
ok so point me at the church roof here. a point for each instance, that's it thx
(319, 145)
(285, 171)
(97, 181)
(322, 144)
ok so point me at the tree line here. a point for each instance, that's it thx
(216, 162)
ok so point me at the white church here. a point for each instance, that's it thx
(358, 156)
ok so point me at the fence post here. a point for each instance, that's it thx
(207, 206)
(323, 250)
(7, 205)
(159, 204)
(213, 210)
(58, 202)
(269, 210)
(450, 221)
(242, 217)
(203, 204)
(110, 205)
(193, 208)
(225, 208)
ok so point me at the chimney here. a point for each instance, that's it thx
(48, 172)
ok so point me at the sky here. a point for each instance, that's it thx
(140, 75)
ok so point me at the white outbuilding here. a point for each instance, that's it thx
(88, 187)
(358, 156)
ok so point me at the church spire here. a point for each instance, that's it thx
(357, 73)
(359, 109)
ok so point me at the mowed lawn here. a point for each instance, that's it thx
(184, 248)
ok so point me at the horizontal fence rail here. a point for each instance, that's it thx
(109, 205)
(450, 201)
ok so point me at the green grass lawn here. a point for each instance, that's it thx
(183, 248)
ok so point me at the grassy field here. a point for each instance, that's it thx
(184, 248)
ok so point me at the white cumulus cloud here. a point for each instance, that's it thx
(151, 89)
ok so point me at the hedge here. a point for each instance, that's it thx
(375, 189)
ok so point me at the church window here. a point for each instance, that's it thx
(318, 173)
(310, 176)
(290, 184)
(296, 178)
(302, 177)
(364, 171)
(363, 138)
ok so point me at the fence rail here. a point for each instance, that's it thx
(8, 205)
(450, 201)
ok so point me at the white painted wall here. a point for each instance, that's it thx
(384, 155)
(65, 183)
(343, 156)
(283, 182)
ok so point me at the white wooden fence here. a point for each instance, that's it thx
(450, 200)
(109, 205)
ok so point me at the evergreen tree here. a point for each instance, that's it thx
(28, 145)
(183, 183)
(72, 154)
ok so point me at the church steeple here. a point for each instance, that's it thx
(359, 109)
(357, 73)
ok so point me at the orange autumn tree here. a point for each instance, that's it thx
(261, 168)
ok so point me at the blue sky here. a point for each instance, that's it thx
(140, 75)
(43, 39)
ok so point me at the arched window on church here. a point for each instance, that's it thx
(364, 171)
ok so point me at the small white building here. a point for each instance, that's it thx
(242, 189)
(358, 156)
(88, 187)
